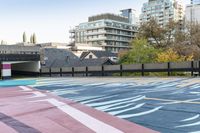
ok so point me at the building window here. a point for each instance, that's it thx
(90, 57)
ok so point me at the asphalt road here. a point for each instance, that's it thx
(168, 105)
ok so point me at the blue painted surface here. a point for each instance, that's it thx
(170, 105)
(8, 83)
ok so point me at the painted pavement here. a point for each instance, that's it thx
(24, 109)
(168, 105)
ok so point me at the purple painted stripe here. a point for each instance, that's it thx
(6, 66)
(17, 125)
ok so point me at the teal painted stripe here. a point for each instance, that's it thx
(8, 83)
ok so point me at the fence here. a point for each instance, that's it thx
(191, 66)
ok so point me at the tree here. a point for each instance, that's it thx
(2, 42)
(187, 41)
(24, 37)
(193, 33)
(158, 35)
(31, 39)
(183, 38)
(171, 55)
(141, 52)
(34, 39)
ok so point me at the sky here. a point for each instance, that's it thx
(51, 20)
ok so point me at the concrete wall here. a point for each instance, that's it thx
(132, 67)
(151, 66)
(55, 70)
(45, 70)
(80, 69)
(67, 69)
(95, 68)
(112, 67)
(180, 65)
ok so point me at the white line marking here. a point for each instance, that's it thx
(95, 84)
(192, 118)
(116, 104)
(116, 101)
(125, 110)
(89, 121)
(118, 107)
(177, 102)
(63, 92)
(195, 86)
(24, 88)
(194, 92)
(85, 98)
(93, 100)
(139, 114)
(195, 132)
(37, 94)
(189, 125)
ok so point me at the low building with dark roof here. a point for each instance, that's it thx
(51, 57)
(90, 62)
(99, 55)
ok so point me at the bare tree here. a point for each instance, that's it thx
(160, 36)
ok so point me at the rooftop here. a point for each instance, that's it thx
(108, 16)
(99, 54)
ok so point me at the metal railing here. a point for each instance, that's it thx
(191, 66)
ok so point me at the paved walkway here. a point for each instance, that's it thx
(168, 105)
(27, 110)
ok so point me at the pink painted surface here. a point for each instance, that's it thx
(28, 110)
(6, 66)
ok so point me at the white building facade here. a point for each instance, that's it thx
(192, 13)
(109, 31)
(163, 11)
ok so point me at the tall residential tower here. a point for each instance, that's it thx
(163, 11)
(192, 11)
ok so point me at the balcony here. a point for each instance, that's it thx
(72, 36)
(95, 33)
(96, 39)
(72, 31)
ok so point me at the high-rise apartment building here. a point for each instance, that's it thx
(192, 12)
(110, 31)
(132, 15)
(163, 11)
(195, 1)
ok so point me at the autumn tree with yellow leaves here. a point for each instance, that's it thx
(171, 55)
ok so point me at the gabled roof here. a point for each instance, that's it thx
(63, 58)
(84, 54)
(57, 57)
(82, 63)
(99, 54)
(90, 62)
